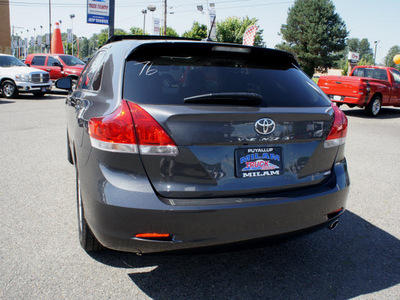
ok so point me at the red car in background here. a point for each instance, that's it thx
(58, 65)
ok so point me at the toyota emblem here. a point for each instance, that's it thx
(264, 126)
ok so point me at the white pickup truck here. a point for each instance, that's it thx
(16, 77)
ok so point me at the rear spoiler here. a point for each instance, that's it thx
(118, 38)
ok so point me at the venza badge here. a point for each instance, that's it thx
(264, 126)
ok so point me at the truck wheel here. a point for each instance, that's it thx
(374, 106)
(8, 89)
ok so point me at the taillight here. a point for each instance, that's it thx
(152, 138)
(362, 88)
(130, 129)
(114, 132)
(337, 135)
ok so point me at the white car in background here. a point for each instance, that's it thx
(16, 77)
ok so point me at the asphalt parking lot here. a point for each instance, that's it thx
(40, 256)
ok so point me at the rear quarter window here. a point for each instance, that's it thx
(92, 74)
(38, 60)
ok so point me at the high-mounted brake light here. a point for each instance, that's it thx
(337, 135)
(130, 129)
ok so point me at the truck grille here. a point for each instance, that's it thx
(36, 78)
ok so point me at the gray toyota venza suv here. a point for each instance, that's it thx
(242, 146)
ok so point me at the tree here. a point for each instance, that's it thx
(389, 57)
(315, 33)
(136, 31)
(103, 36)
(170, 32)
(232, 29)
(198, 31)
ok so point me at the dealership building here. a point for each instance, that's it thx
(5, 30)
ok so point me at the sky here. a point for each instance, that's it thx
(376, 20)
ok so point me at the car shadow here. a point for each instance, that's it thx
(355, 259)
(385, 113)
(30, 97)
(2, 101)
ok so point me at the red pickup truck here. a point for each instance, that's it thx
(58, 65)
(370, 87)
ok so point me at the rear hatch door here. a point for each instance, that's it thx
(246, 120)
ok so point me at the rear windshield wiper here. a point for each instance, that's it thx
(226, 98)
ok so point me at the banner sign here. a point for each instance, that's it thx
(156, 26)
(213, 23)
(69, 36)
(98, 11)
(250, 35)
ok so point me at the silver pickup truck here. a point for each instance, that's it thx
(16, 77)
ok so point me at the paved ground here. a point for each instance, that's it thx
(40, 257)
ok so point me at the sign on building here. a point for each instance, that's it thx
(98, 11)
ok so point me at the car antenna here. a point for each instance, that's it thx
(208, 39)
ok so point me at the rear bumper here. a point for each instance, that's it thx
(120, 214)
(349, 100)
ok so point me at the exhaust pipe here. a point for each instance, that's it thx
(333, 225)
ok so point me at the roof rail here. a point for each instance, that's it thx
(117, 38)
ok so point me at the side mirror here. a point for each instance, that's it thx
(57, 64)
(64, 83)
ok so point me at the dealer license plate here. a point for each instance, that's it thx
(258, 162)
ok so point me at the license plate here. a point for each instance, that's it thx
(258, 162)
(43, 89)
(337, 98)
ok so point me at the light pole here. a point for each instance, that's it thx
(41, 38)
(72, 16)
(34, 40)
(152, 8)
(27, 43)
(144, 12)
(49, 26)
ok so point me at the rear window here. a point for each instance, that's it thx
(173, 73)
(370, 73)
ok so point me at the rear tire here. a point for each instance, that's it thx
(86, 237)
(9, 89)
(374, 106)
